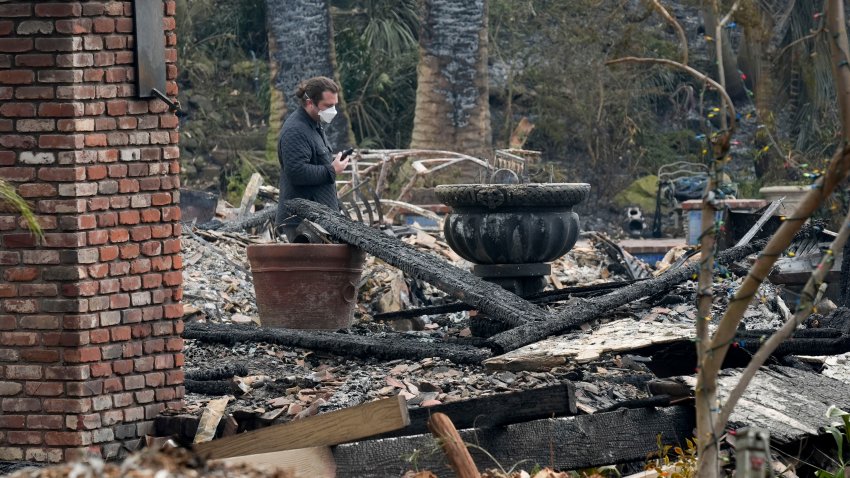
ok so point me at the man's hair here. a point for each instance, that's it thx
(314, 88)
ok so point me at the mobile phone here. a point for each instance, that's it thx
(346, 153)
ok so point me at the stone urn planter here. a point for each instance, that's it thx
(511, 231)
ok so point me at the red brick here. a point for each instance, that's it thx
(59, 44)
(13, 241)
(129, 217)
(44, 389)
(80, 289)
(34, 190)
(61, 109)
(84, 354)
(8, 290)
(151, 215)
(70, 141)
(13, 421)
(174, 344)
(171, 246)
(129, 251)
(16, 77)
(122, 367)
(17, 110)
(38, 290)
(119, 268)
(21, 405)
(61, 76)
(45, 422)
(69, 405)
(7, 158)
(119, 235)
(15, 45)
(140, 233)
(107, 219)
(20, 306)
(108, 253)
(21, 274)
(17, 141)
(91, 9)
(40, 356)
(67, 438)
(173, 311)
(104, 25)
(62, 174)
(58, 9)
(74, 26)
(36, 60)
(34, 93)
(23, 372)
(119, 301)
(124, 25)
(23, 438)
(99, 336)
(102, 370)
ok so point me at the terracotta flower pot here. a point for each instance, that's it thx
(306, 286)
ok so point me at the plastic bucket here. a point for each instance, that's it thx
(306, 286)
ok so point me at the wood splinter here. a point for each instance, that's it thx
(459, 458)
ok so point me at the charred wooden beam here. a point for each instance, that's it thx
(489, 298)
(590, 309)
(213, 388)
(565, 443)
(497, 410)
(544, 297)
(386, 348)
(224, 372)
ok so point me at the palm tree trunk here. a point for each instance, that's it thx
(300, 47)
(452, 98)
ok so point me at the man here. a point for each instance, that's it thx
(308, 167)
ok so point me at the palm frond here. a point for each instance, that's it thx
(8, 196)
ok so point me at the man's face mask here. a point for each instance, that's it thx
(327, 115)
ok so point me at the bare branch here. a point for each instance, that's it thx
(718, 44)
(696, 74)
(680, 32)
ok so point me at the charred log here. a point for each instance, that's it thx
(224, 372)
(387, 348)
(573, 317)
(545, 297)
(215, 388)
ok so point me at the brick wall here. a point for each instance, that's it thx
(90, 348)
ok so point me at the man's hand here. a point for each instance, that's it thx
(339, 164)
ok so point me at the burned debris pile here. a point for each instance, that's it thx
(624, 355)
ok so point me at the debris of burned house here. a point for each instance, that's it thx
(612, 372)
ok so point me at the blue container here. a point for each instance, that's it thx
(695, 225)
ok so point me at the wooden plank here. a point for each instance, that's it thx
(788, 402)
(617, 336)
(564, 443)
(496, 410)
(210, 419)
(838, 367)
(331, 428)
(250, 195)
(316, 462)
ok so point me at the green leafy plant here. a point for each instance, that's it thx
(840, 437)
(377, 53)
(681, 463)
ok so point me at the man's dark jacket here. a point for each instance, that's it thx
(305, 163)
